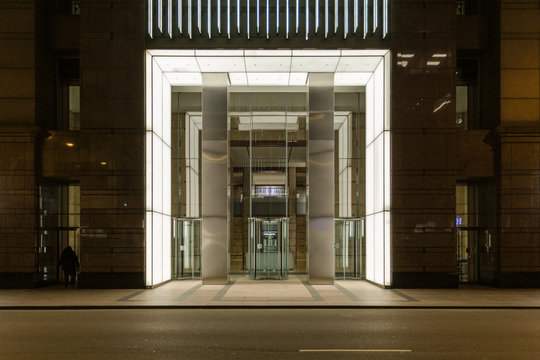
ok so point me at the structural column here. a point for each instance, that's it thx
(214, 265)
(321, 179)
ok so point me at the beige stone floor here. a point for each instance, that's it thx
(292, 292)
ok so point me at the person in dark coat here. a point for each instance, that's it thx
(70, 263)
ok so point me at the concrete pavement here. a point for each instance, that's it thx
(295, 292)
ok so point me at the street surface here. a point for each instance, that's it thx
(276, 334)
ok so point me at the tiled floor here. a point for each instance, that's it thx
(292, 292)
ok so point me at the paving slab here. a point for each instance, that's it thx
(294, 292)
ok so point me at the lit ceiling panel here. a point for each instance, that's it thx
(314, 64)
(179, 64)
(270, 63)
(238, 79)
(351, 79)
(221, 64)
(184, 79)
(297, 79)
(358, 64)
(268, 79)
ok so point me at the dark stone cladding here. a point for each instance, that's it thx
(104, 280)
(424, 280)
(521, 279)
(17, 280)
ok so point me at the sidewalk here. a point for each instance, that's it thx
(295, 292)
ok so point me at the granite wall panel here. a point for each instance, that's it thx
(18, 222)
(423, 143)
(519, 183)
(112, 145)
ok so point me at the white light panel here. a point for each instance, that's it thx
(351, 79)
(314, 64)
(297, 79)
(238, 79)
(375, 15)
(221, 64)
(268, 79)
(184, 79)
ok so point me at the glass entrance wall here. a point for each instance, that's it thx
(268, 159)
(268, 244)
(274, 72)
(186, 175)
(186, 248)
(349, 248)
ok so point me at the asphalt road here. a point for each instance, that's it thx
(270, 334)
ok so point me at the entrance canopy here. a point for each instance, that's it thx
(267, 69)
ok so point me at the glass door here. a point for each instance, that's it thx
(268, 248)
(349, 247)
(187, 248)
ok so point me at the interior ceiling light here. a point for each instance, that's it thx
(184, 79)
(351, 79)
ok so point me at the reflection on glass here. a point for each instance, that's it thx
(461, 107)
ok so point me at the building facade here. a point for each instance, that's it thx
(392, 141)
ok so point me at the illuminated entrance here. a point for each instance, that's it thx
(263, 135)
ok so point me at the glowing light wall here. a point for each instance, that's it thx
(378, 265)
(158, 174)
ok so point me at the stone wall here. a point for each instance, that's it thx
(18, 131)
(423, 143)
(519, 182)
(112, 144)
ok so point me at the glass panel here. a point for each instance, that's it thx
(187, 242)
(267, 138)
(74, 107)
(461, 107)
(349, 249)
(268, 239)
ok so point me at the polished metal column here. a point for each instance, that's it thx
(214, 266)
(321, 232)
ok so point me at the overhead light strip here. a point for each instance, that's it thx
(160, 16)
(199, 16)
(307, 19)
(355, 16)
(345, 18)
(229, 19)
(209, 18)
(287, 19)
(218, 15)
(366, 12)
(326, 18)
(336, 16)
(277, 16)
(150, 18)
(179, 15)
(375, 15)
(190, 20)
(238, 16)
(316, 16)
(169, 18)
(350, 23)
(385, 18)
(297, 15)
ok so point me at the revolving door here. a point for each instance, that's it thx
(268, 248)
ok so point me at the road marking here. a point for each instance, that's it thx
(355, 350)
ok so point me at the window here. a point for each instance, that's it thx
(68, 95)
